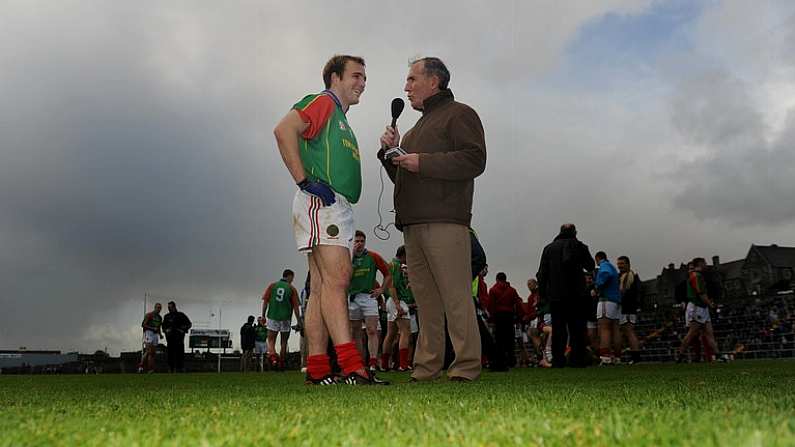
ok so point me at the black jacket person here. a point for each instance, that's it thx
(176, 324)
(561, 282)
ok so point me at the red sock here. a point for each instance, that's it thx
(404, 358)
(385, 360)
(348, 357)
(318, 366)
(604, 352)
(617, 354)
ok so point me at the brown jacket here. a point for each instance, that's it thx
(450, 140)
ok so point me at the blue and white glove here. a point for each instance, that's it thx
(318, 189)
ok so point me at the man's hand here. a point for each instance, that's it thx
(390, 138)
(318, 189)
(400, 311)
(375, 293)
(409, 162)
(593, 293)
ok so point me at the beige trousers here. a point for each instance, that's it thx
(440, 274)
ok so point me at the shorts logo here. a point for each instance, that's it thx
(333, 230)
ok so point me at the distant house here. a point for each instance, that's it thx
(765, 269)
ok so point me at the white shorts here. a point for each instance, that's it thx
(392, 313)
(362, 305)
(151, 338)
(696, 313)
(278, 325)
(548, 320)
(261, 347)
(415, 327)
(609, 310)
(628, 318)
(315, 224)
(591, 325)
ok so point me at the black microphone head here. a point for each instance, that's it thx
(397, 108)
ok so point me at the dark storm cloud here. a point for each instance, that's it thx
(119, 174)
(736, 174)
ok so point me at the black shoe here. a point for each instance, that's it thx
(326, 380)
(460, 379)
(358, 379)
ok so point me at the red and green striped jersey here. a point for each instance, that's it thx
(401, 282)
(260, 333)
(329, 150)
(152, 321)
(280, 305)
(365, 267)
(695, 288)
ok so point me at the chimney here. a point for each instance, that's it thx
(716, 261)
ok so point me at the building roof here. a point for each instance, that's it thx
(777, 256)
(731, 270)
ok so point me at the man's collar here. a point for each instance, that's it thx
(334, 98)
(439, 98)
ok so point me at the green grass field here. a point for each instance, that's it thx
(742, 403)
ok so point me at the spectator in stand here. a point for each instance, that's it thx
(561, 282)
(176, 324)
(506, 306)
(247, 342)
(608, 310)
(630, 287)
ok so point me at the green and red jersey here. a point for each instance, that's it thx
(279, 296)
(400, 282)
(696, 286)
(260, 333)
(365, 267)
(152, 322)
(329, 151)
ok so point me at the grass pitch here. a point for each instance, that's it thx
(742, 403)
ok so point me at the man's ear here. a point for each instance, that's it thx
(333, 77)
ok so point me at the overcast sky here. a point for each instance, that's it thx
(137, 154)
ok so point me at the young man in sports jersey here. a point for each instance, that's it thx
(398, 316)
(320, 151)
(261, 342)
(629, 284)
(697, 316)
(529, 318)
(152, 333)
(279, 302)
(608, 310)
(364, 293)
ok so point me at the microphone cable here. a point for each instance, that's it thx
(380, 231)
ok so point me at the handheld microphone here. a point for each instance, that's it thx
(397, 109)
(380, 231)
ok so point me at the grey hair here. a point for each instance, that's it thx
(434, 66)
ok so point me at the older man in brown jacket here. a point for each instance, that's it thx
(434, 184)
